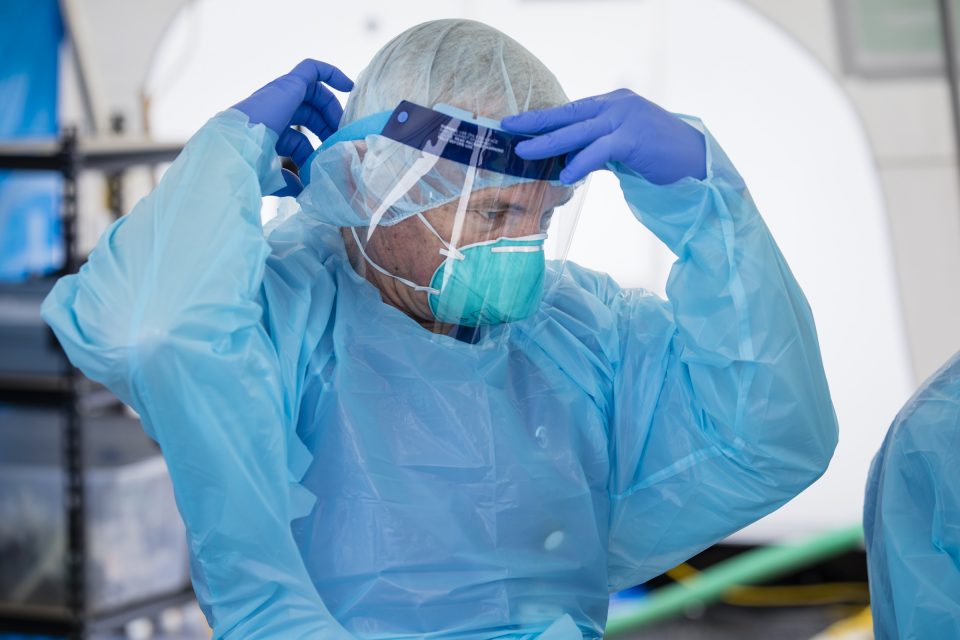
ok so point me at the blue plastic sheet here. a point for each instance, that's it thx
(30, 34)
(911, 516)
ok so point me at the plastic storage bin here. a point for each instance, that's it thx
(27, 347)
(135, 539)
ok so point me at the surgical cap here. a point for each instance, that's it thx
(462, 63)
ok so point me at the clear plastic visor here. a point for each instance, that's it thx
(452, 227)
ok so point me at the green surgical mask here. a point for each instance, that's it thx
(494, 282)
(486, 283)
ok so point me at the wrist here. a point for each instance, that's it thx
(256, 144)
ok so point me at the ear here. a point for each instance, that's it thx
(361, 146)
(361, 149)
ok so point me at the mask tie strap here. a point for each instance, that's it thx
(478, 146)
(412, 285)
(447, 250)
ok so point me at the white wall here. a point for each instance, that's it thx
(909, 127)
(784, 120)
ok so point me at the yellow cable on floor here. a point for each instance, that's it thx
(781, 596)
(857, 627)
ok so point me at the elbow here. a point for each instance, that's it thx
(801, 461)
(100, 340)
(87, 334)
(820, 436)
(792, 454)
(824, 454)
(799, 443)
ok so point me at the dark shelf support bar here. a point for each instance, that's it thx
(948, 33)
(68, 159)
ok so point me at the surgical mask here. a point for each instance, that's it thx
(485, 283)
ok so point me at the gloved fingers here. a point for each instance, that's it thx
(312, 71)
(532, 122)
(594, 157)
(274, 103)
(294, 145)
(309, 117)
(570, 138)
(323, 100)
(294, 186)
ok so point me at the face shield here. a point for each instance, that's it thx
(437, 201)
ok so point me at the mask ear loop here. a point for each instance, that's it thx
(452, 253)
(429, 157)
(409, 283)
(447, 250)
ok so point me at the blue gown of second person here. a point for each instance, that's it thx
(344, 473)
(911, 516)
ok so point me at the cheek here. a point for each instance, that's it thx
(406, 250)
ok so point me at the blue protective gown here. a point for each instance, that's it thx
(911, 516)
(496, 489)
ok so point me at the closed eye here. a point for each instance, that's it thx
(490, 215)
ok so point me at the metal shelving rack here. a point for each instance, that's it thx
(69, 156)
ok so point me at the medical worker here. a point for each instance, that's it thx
(911, 516)
(389, 415)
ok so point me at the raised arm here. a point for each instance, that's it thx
(171, 313)
(722, 411)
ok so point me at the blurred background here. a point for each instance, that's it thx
(840, 114)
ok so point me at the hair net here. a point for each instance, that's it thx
(460, 63)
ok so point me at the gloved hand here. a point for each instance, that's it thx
(615, 127)
(299, 98)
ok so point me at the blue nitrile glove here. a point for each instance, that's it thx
(616, 127)
(294, 185)
(298, 98)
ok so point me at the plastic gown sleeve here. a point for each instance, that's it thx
(911, 516)
(722, 411)
(172, 313)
